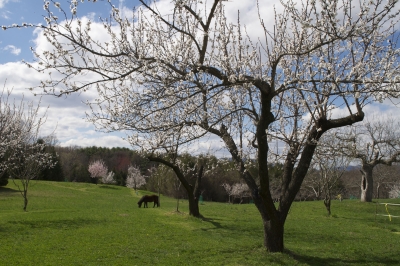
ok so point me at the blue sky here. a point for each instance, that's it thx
(31, 11)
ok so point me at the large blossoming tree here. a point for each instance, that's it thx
(172, 78)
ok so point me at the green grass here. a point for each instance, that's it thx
(85, 224)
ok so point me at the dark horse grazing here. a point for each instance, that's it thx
(148, 198)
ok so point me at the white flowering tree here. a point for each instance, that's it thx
(228, 190)
(109, 178)
(394, 192)
(372, 143)
(97, 169)
(237, 190)
(135, 178)
(187, 70)
(22, 155)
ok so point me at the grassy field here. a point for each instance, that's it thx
(85, 224)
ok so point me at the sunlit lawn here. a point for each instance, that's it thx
(85, 224)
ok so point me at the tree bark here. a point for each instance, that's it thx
(367, 185)
(327, 203)
(273, 234)
(25, 200)
(193, 206)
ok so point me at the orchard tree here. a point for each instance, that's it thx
(394, 192)
(228, 190)
(22, 155)
(384, 178)
(135, 178)
(26, 163)
(97, 169)
(188, 70)
(240, 190)
(372, 143)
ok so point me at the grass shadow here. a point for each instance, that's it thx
(213, 222)
(110, 187)
(316, 261)
(7, 190)
(56, 224)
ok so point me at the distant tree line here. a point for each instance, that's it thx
(71, 165)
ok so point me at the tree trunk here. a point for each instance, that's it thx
(273, 235)
(25, 200)
(367, 185)
(327, 203)
(377, 190)
(194, 206)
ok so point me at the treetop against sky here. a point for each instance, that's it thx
(67, 114)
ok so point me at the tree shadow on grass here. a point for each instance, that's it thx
(110, 187)
(7, 190)
(316, 261)
(213, 222)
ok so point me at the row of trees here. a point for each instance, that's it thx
(98, 169)
(174, 74)
(329, 175)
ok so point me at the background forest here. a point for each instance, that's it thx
(218, 183)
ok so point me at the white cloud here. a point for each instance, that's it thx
(65, 115)
(2, 3)
(13, 49)
(108, 141)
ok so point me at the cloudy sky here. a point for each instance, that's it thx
(66, 116)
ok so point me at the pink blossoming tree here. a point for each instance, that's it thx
(97, 169)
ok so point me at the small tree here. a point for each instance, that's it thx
(28, 161)
(135, 179)
(394, 193)
(22, 155)
(328, 168)
(240, 190)
(109, 179)
(97, 169)
(384, 178)
(228, 190)
(237, 191)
